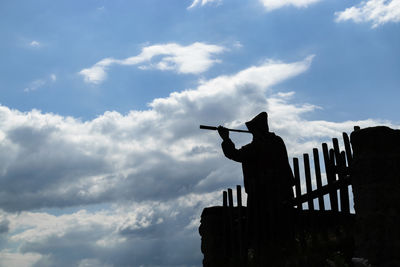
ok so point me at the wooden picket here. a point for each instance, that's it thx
(317, 169)
(337, 176)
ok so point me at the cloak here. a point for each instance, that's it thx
(265, 162)
(268, 182)
(266, 169)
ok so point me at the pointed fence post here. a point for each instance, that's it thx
(318, 179)
(343, 192)
(347, 147)
(308, 180)
(231, 225)
(330, 177)
(333, 165)
(297, 180)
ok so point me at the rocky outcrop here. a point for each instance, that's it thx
(321, 237)
(220, 235)
(375, 174)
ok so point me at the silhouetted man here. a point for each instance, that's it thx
(268, 182)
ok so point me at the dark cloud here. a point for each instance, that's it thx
(4, 226)
(156, 235)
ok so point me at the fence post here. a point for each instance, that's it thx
(231, 238)
(318, 179)
(307, 172)
(240, 235)
(225, 222)
(333, 177)
(239, 195)
(344, 192)
(329, 173)
(297, 180)
(230, 198)
(347, 148)
(225, 199)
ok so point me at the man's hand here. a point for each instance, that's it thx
(223, 132)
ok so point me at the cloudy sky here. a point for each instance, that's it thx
(101, 159)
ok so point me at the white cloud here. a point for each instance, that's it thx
(36, 84)
(237, 44)
(194, 58)
(276, 4)
(8, 258)
(134, 232)
(33, 86)
(203, 2)
(34, 44)
(154, 167)
(378, 12)
(269, 5)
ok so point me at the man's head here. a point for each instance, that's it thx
(259, 124)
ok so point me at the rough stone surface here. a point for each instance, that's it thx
(320, 235)
(217, 227)
(375, 176)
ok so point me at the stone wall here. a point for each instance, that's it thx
(375, 176)
(321, 237)
(219, 231)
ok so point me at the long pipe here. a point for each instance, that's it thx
(213, 128)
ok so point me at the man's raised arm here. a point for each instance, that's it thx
(228, 147)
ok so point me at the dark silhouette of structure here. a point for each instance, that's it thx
(325, 233)
(375, 178)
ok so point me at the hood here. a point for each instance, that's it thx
(259, 123)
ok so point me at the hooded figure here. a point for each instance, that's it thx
(268, 181)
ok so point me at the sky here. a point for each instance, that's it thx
(102, 162)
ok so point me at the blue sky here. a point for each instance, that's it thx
(101, 159)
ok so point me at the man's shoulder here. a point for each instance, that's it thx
(248, 146)
(275, 137)
(277, 140)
